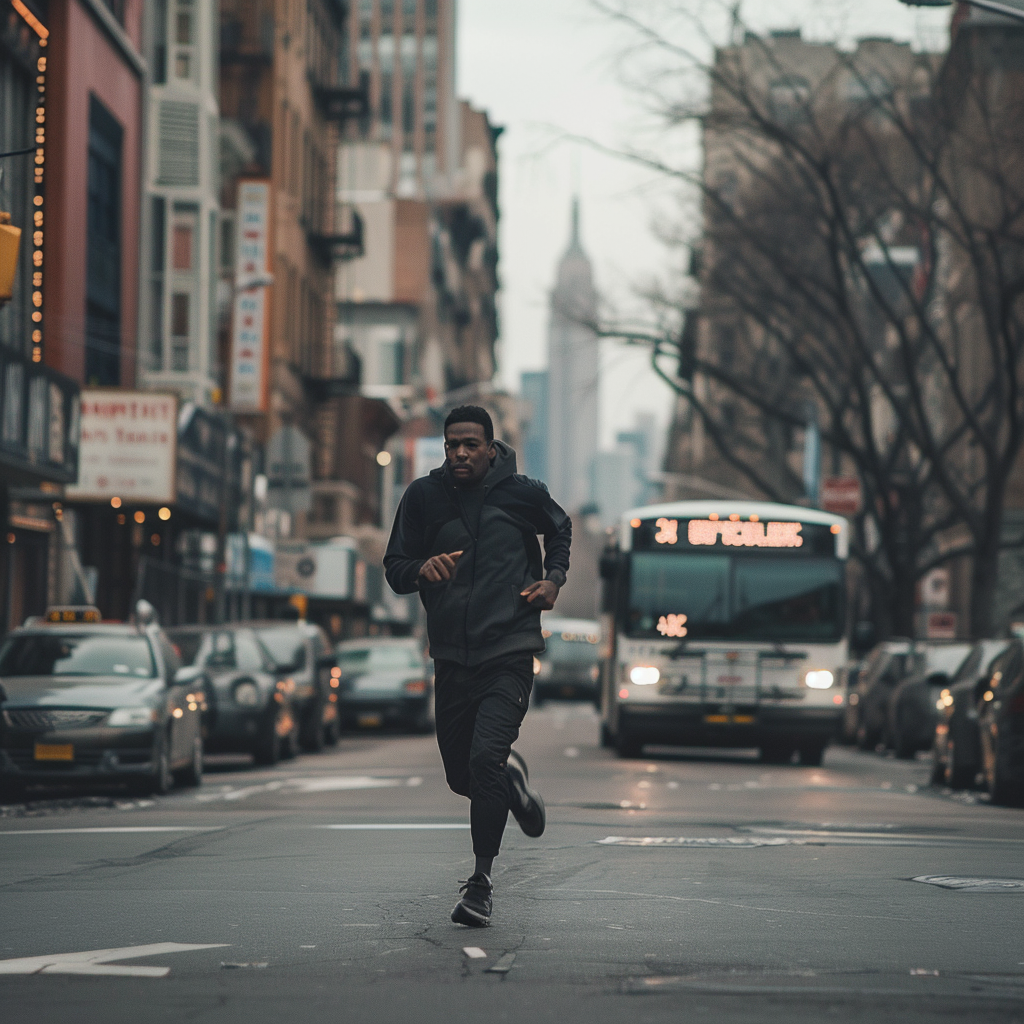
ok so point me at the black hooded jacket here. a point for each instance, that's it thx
(479, 614)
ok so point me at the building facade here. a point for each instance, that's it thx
(180, 208)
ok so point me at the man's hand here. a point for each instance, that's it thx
(542, 594)
(440, 567)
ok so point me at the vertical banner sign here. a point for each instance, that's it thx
(250, 347)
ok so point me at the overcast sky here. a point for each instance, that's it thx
(544, 68)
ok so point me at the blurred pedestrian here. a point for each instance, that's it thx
(465, 538)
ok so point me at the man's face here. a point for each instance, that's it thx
(468, 451)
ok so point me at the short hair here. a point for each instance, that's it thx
(471, 414)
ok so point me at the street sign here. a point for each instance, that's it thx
(841, 495)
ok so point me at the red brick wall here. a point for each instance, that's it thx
(82, 61)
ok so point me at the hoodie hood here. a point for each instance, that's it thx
(503, 466)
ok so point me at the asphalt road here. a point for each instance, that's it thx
(676, 887)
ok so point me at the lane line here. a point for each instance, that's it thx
(105, 831)
(394, 827)
(97, 961)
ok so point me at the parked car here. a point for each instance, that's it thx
(569, 665)
(252, 709)
(89, 701)
(303, 654)
(956, 751)
(867, 705)
(385, 682)
(913, 712)
(1001, 727)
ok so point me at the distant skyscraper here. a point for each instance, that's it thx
(572, 377)
(534, 389)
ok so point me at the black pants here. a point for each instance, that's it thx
(478, 712)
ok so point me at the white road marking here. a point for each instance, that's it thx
(474, 952)
(396, 827)
(503, 964)
(115, 829)
(973, 884)
(571, 751)
(98, 961)
(311, 784)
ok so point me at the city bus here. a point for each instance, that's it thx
(724, 624)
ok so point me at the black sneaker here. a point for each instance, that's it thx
(474, 909)
(525, 803)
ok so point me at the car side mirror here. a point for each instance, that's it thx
(937, 679)
(187, 675)
(326, 661)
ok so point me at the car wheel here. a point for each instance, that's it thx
(268, 746)
(1001, 791)
(629, 745)
(312, 736)
(192, 776)
(866, 739)
(811, 754)
(938, 776)
(607, 737)
(332, 730)
(958, 774)
(160, 781)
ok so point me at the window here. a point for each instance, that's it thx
(156, 296)
(182, 247)
(103, 249)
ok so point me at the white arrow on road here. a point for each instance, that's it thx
(98, 961)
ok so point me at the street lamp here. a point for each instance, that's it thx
(1011, 8)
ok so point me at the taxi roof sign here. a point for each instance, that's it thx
(73, 613)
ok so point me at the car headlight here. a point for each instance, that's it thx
(247, 694)
(128, 718)
(819, 679)
(644, 675)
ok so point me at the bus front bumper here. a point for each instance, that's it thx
(713, 726)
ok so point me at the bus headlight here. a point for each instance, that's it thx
(819, 679)
(644, 675)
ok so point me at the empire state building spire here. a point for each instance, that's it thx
(573, 376)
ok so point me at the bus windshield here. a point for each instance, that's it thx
(735, 597)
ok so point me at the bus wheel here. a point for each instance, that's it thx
(776, 753)
(629, 746)
(811, 754)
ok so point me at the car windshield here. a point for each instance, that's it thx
(571, 646)
(384, 659)
(77, 654)
(287, 647)
(735, 597)
(945, 660)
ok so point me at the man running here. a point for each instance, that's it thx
(465, 538)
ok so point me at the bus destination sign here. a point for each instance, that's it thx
(732, 532)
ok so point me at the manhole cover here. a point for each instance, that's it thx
(973, 884)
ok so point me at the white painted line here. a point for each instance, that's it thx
(503, 964)
(571, 751)
(98, 961)
(474, 952)
(104, 831)
(396, 827)
(961, 884)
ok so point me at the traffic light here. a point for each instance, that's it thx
(10, 242)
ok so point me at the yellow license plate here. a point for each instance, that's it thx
(369, 721)
(55, 752)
